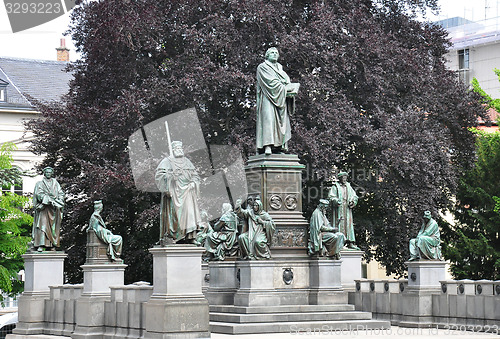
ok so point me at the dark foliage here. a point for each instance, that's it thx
(375, 100)
(472, 244)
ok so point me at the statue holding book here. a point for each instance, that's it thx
(275, 102)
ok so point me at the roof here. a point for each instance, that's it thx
(41, 79)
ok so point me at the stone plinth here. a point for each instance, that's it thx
(223, 282)
(351, 268)
(42, 269)
(89, 312)
(426, 274)
(177, 308)
(256, 284)
(325, 282)
(424, 280)
(277, 180)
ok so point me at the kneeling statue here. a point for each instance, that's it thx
(324, 240)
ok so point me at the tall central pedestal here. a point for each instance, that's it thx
(177, 308)
(277, 180)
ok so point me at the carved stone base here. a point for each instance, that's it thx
(277, 180)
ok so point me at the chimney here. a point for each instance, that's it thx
(63, 51)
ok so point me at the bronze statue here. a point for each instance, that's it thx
(48, 202)
(223, 239)
(177, 179)
(275, 102)
(255, 243)
(204, 229)
(98, 225)
(324, 240)
(427, 245)
(344, 199)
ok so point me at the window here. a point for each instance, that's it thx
(463, 59)
(3, 90)
(463, 66)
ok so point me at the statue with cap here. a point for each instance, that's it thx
(427, 244)
(344, 199)
(48, 203)
(98, 225)
(179, 184)
(324, 240)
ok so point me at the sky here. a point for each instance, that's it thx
(41, 41)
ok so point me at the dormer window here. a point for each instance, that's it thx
(3, 90)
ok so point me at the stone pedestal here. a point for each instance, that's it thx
(426, 274)
(325, 282)
(351, 268)
(177, 308)
(42, 269)
(256, 284)
(277, 180)
(424, 278)
(89, 312)
(224, 282)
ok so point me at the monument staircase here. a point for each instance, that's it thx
(291, 319)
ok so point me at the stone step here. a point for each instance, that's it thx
(280, 309)
(300, 327)
(287, 317)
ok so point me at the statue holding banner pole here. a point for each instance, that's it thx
(255, 243)
(179, 184)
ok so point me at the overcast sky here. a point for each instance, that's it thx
(40, 42)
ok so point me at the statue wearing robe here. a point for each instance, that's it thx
(48, 203)
(344, 199)
(98, 225)
(427, 244)
(324, 240)
(255, 243)
(275, 102)
(223, 239)
(178, 180)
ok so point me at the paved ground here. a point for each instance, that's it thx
(393, 332)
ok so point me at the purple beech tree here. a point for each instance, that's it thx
(375, 98)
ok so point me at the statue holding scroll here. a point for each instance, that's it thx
(427, 244)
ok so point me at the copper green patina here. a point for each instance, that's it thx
(98, 225)
(324, 240)
(48, 203)
(275, 102)
(427, 244)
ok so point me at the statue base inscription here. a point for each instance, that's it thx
(277, 180)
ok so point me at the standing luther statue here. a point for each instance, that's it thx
(179, 184)
(344, 199)
(48, 202)
(275, 102)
